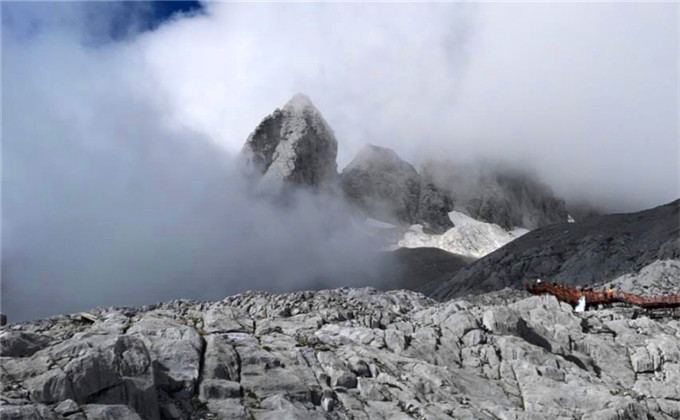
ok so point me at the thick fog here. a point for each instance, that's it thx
(119, 184)
(585, 94)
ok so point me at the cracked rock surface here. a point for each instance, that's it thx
(345, 353)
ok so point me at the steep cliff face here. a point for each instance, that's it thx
(343, 354)
(293, 146)
(434, 206)
(383, 185)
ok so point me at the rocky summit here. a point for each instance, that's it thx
(296, 147)
(388, 188)
(293, 146)
(383, 185)
(344, 354)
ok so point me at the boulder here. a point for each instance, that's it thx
(26, 412)
(218, 389)
(221, 361)
(21, 344)
(109, 412)
(176, 350)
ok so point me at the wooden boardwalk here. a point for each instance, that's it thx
(572, 295)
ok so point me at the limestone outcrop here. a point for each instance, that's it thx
(341, 354)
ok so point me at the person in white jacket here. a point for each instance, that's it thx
(581, 306)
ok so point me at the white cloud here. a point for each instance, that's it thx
(585, 93)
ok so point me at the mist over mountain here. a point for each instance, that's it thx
(497, 193)
(584, 94)
(207, 208)
(119, 134)
(141, 218)
(383, 185)
(277, 216)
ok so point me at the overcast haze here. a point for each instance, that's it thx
(121, 124)
(585, 93)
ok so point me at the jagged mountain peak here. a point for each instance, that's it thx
(299, 102)
(377, 157)
(293, 146)
(494, 192)
(383, 185)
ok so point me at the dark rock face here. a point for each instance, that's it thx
(595, 251)
(388, 188)
(383, 185)
(424, 269)
(434, 207)
(293, 146)
(347, 354)
(495, 194)
(581, 211)
(526, 203)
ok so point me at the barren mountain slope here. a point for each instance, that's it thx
(593, 252)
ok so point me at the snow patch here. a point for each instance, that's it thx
(462, 219)
(468, 237)
(385, 235)
(570, 219)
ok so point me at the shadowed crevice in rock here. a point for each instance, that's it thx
(531, 336)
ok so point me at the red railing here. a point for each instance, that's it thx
(572, 295)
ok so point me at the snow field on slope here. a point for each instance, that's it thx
(468, 237)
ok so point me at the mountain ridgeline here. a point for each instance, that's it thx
(295, 146)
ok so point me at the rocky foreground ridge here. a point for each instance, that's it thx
(346, 353)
